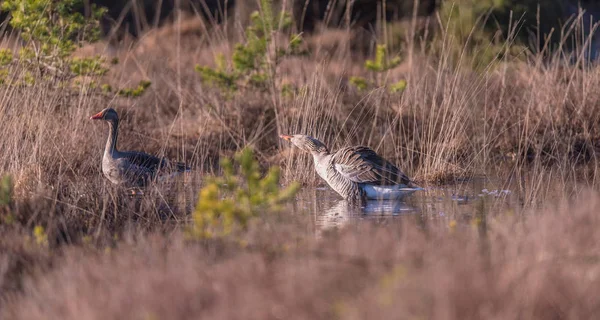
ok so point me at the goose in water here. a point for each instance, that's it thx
(130, 168)
(356, 173)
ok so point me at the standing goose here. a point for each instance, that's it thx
(356, 173)
(130, 168)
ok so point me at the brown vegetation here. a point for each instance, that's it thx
(102, 254)
(539, 265)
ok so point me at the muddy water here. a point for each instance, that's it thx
(459, 203)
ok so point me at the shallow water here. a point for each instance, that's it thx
(461, 203)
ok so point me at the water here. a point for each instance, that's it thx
(457, 203)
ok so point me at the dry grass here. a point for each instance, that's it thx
(110, 256)
(539, 265)
(451, 121)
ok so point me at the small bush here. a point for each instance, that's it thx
(6, 190)
(53, 30)
(40, 236)
(379, 65)
(229, 202)
(254, 62)
(131, 92)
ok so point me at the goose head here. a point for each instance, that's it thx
(306, 143)
(108, 114)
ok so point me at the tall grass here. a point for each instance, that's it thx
(453, 121)
(532, 118)
(530, 115)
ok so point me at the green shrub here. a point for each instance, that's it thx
(398, 86)
(377, 67)
(6, 200)
(6, 190)
(229, 202)
(6, 57)
(382, 63)
(254, 62)
(52, 31)
(40, 236)
(132, 92)
(359, 82)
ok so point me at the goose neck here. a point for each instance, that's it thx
(111, 143)
(320, 156)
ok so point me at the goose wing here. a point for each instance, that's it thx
(363, 165)
(144, 161)
(149, 164)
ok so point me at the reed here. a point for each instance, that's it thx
(531, 117)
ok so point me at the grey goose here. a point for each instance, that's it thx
(131, 169)
(356, 173)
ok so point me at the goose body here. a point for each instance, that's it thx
(131, 168)
(356, 173)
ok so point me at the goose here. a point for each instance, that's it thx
(355, 173)
(131, 169)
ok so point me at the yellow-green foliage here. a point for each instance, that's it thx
(88, 66)
(287, 90)
(6, 200)
(40, 236)
(359, 82)
(229, 202)
(398, 86)
(52, 30)
(132, 92)
(6, 57)
(380, 64)
(255, 60)
(6, 190)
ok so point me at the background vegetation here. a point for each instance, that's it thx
(463, 92)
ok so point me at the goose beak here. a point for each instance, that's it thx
(285, 137)
(97, 116)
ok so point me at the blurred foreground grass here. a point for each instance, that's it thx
(73, 246)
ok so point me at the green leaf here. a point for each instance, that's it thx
(359, 82)
(246, 195)
(398, 86)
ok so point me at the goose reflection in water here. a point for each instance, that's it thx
(343, 212)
